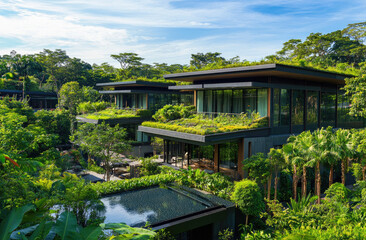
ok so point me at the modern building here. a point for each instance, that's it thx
(293, 99)
(37, 100)
(139, 94)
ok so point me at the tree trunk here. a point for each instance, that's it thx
(303, 182)
(343, 165)
(246, 219)
(294, 183)
(269, 185)
(276, 186)
(318, 180)
(331, 173)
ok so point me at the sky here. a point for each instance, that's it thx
(167, 31)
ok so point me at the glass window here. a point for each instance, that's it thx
(227, 101)
(237, 101)
(200, 101)
(276, 107)
(262, 102)
(219, 100)
(312, 110)
(327, 109)
(250, 100)
(285, 107)
(297, 117)
(229, 155)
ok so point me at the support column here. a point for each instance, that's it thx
(195, 98)
(216, 158)
(164, 150)
(241, 158)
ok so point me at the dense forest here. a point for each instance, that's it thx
(41, 198)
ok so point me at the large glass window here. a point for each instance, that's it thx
(281, 108)
(327, 109)
(312, 110)
(250, 100)
(219, 94)
(229, 155)
(228, 95)
(262, 102)
(237, 101)
(297, 117)
(200, 101)
(344, 119)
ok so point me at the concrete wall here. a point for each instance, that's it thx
(263, 144)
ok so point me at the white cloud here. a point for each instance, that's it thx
(94, 29)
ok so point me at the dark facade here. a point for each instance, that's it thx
(294, 99)
(37, 100)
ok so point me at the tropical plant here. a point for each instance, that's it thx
(277, 162)
(248, 198)
(101, 141)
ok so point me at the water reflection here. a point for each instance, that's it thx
(151, 205)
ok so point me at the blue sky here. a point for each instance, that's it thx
(167, 30)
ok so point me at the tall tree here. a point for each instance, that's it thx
(277, 161)
(200, 60)
(102, 141)
(127, 60)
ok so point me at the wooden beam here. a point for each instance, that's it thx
(195, 98)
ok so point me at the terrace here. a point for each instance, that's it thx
(208, 141)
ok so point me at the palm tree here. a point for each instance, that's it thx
(277, 161)
(293, 158)
(344, 149)
(359, 146)
(304, 141)
(319, 152)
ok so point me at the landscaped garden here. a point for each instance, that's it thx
(184, 119)
(113, 113)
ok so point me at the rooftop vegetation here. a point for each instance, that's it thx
(157, 80)
(184, 119)
(114, 113)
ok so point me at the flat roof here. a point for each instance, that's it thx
(134, 84)
(275, 69)
(28, 92)
(204, 139)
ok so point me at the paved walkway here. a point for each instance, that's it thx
(101, 176)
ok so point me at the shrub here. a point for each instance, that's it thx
(90, 107)
(173, 112)
(338, 192)
(247, 196)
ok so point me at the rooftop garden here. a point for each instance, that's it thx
(104, 111)
(184, 119)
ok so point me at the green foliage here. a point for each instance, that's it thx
(113, 113)
(101, 141)
(227, 234)
(338, 192)
(163, 234)
(149, 167)
(258, 167)
(248, 198)
(132, 184)
(203, 125)
(216, 183)
(173, 112)
(55, 122)
(126, 232)
(90, 107)
(13, 220)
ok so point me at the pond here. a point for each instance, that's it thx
(151, 205)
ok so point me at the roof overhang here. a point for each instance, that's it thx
(234, 85)
(204, 139)
(136, 83)
(137, 91)
(265, 70)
